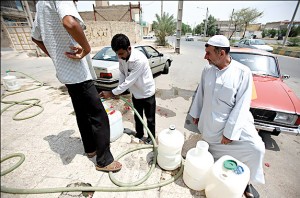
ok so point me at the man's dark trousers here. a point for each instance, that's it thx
(92, 120)
(147, 105)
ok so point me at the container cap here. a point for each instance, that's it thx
(230, 164)
(172, 127)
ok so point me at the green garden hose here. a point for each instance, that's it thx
(23, 102)
(135, 186)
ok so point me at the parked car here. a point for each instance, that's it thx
(254, 44)
(276, 108)
(106, 65)
(189, 37)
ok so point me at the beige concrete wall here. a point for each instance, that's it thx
(100, 33)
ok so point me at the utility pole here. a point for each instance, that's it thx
(161, 9)
(230, 22)
(179, 23)
(205, 27)
(290, 25)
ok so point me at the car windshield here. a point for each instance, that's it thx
(258, 64)
(106, 54)
(257, 42)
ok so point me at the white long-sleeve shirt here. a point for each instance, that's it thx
(135, 75)
(222, 102)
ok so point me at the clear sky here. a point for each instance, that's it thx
(194, 11)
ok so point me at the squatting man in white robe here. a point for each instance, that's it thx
(221, 109)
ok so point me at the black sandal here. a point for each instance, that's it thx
(251, 192)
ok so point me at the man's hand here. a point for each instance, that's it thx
(78, 53)
(106, 94)
(195, 121)
(225, 140)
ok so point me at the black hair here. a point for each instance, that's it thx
(218, 49)
(120, 41)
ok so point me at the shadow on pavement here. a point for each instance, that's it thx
(270, 143)
(66, 146)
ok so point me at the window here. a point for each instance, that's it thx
(106, 54)
(151, 51)
(258, 64)
(19, 5)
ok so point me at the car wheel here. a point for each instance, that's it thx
(166, 68)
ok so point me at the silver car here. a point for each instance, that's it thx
(106, 65)
(254, 44)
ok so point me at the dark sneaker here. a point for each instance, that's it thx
(148, 141)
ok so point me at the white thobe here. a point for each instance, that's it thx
(222, 104)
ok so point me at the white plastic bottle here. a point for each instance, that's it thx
(170, 142)
(197, 165)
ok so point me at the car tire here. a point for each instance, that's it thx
(166, 68)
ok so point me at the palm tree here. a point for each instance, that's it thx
(163, 26)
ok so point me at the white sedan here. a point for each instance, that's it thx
(254, 44)
(106, 65)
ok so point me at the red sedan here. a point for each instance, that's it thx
(275, 107)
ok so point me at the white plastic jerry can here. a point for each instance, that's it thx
(170, 142)
(227, 178)
(197, 165)
(116, 124)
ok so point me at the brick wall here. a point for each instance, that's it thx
(100, 33)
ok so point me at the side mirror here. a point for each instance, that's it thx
(160, 54)
(285, 76)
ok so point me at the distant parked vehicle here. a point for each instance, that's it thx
(189, 37)
(254, 44)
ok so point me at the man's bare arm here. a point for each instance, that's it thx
(41, 45)
(75, 30)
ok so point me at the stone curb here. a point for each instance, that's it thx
(287, 53)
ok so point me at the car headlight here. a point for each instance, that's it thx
(285, 118)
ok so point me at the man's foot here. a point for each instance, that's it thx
(147, 140)
(114, 167)
(251, 192)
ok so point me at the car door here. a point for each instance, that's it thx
(155, 59)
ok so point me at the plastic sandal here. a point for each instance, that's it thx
(114, 167)
(251, 192)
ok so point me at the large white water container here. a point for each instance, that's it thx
(227, 178)
(170, 142)
(11, 83)
(116, 125)
(197, 165)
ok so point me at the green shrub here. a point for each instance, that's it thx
(294, 41)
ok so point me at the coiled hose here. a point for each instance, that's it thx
(134, 186)
(23, 102)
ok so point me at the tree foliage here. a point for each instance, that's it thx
(185, 28)
(247, 16)
(211, 26)
(163, 26)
